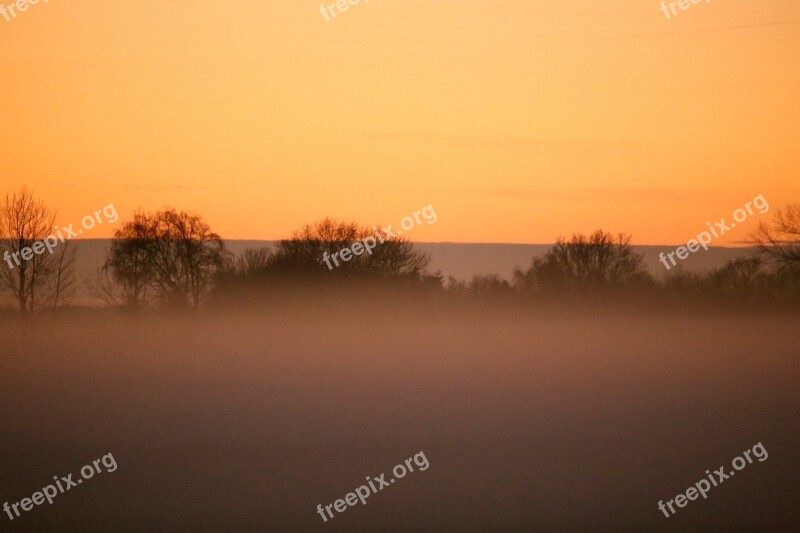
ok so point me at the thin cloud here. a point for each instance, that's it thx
(605, 194)
(492, 141)
(167, 188)
(701, 30)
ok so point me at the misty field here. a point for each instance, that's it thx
(248, 421)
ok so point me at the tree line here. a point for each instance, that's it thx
(173, 259)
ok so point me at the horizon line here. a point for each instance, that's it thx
(742, 244)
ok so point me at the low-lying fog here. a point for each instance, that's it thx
(248, 421)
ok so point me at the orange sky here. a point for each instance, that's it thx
(519, 120)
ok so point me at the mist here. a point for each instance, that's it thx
(248, 419)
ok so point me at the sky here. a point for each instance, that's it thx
(517, 120)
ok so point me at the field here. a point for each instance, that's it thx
(246, 421)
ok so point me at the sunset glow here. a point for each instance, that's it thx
(518, 120)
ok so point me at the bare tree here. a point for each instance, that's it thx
(305, 252)
(398, 259)
(170, 256)
(585, 263)
(25, 223)
(779, 242)
(742, 274)
(129, 264)
(480, 286)
(251, 262)
(61, 277)
(302, 253)
(103, 286)
(186, 256)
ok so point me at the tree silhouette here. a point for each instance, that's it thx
(61, 283)
(45, 278)
(129, 264)
(169, 257)
(304, 253)
(585, 264)
(779, 242)
(741, 275)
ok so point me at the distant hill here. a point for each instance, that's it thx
(460, 260)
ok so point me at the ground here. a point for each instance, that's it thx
(530, 422)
